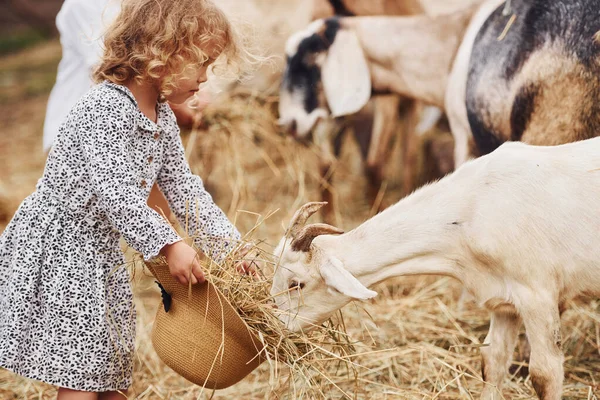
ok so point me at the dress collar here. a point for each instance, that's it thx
(143, 121)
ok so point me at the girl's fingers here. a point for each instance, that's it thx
(181, 279)
(198, 273)
(245, 249)
(192, 278)
(247, 267)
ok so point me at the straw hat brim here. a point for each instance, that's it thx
(202, 337)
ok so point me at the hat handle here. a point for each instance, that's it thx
(166, 297)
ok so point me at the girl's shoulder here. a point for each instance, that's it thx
(104, 103)
(105, 100)
(106, 93)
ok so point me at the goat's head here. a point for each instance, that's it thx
(309, 284)
(326, 76)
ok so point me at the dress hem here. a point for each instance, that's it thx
(55, 382)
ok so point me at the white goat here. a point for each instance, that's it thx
(518, 228)
(304, 112)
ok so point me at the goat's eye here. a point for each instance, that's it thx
(296, 284)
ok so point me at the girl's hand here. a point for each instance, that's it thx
(183, 263)
(248, 265)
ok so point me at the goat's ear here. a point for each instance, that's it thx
(336, 276)
(345, 75)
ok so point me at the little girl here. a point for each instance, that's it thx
(66, 309)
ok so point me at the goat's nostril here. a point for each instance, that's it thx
(293, 128)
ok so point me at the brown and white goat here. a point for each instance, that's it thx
(525, 71)
(518, 227)
(304, 112)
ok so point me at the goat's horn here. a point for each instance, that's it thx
(299, 219)
(302, 241)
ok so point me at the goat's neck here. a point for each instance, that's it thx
(419, 235)
(412, 55)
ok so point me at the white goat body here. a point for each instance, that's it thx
(518, 227)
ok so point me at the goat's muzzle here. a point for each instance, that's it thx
(289, 126)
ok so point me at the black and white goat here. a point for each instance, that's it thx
(305, 114)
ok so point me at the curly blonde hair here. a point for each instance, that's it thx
(153, 41)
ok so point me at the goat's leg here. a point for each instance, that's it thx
(410, 147)
(525, 351)
(542, 326)
(384, 126)
(497, 356)
(324, 136)
(326, 173)
(461, 147)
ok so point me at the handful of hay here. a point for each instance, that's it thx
(303, 364)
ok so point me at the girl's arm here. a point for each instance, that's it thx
(105, 142)
(193, 206)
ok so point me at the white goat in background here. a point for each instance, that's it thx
(518, 227)
(304, 113)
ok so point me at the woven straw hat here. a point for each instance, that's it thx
(202, 337)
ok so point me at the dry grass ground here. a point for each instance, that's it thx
(416, 343)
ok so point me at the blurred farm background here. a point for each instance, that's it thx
(416, 341)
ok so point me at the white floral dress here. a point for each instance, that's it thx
(66, 309)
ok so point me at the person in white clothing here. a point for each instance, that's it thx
(81, 24)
